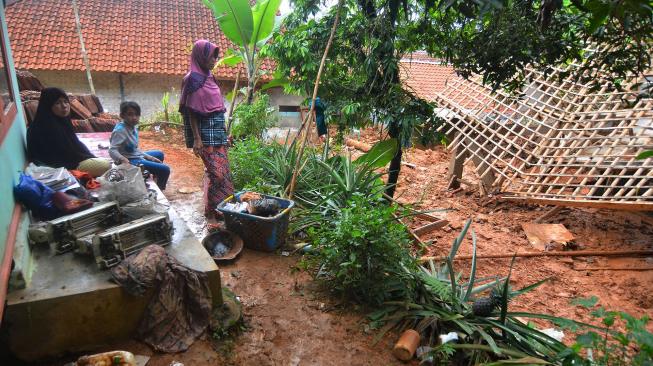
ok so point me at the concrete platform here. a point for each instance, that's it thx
(69, 305)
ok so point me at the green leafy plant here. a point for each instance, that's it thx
(248, 165)
(443, 303)
(495, 39)
(363, 253)
(253, 119)
(171, 118)
(645, 154)
(625, 340)
(326, 186)
(250, 29)
(427, 134)
(165, 103)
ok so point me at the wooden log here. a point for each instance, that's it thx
(358, 145)
(564, 253)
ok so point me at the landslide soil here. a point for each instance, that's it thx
(288, 321)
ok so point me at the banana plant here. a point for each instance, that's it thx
(249, 29)
(165, 103)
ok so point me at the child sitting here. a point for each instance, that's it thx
(124, 145)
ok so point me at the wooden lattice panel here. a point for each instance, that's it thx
(557, 143)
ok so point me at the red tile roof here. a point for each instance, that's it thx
(130, 36)
(424, 75)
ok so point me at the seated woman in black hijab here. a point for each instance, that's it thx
(51, 140)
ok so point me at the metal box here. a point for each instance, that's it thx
(66, 230)
(113, 245)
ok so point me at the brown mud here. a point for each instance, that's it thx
(289, 322)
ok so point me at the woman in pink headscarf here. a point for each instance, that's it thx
(202, 106)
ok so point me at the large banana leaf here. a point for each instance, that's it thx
(380, 154)
(231, 58)
(235, 19)
(264, 14)
(275, 83)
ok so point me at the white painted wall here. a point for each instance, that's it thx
(145, 89)
(277, 97)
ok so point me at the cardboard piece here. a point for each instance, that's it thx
(547, 236)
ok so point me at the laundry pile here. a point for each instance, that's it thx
(86, 110)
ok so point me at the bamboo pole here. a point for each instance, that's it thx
(87, 64)
(309, 120)
(565, 253)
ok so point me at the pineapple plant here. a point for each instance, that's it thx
(484, 306)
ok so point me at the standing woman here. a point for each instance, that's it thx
(202, 106)
(51, 140)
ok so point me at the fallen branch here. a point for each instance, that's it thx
(421, 214)
(142, 125)
(644, 268)
(564, 253)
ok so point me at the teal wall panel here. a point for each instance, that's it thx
(12, 150)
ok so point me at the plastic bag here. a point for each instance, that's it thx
(144, 207)
(123, 183)
(59, 179)
(36, 196)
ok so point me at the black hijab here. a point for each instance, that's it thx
(51, 139)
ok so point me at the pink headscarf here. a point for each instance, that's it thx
(199, 91)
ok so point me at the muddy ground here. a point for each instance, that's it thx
(290, 322)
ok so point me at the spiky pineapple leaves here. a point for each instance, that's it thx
(472, 274)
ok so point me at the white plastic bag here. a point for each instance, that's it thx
(123, 183)
(147, 206)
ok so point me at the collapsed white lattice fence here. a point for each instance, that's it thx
(558, 142)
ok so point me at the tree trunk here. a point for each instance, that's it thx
(395, 164)
(250, 91)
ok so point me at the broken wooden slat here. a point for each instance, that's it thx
(613, 205)
(640, 268)
(548, 214)
(431, 227)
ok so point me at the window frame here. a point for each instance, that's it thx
(7, 112)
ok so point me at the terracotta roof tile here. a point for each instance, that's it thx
(132, 36)
(425, 76)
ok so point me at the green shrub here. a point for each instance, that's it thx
(160, 116)
(364, 253)
(173, 117)
(253, 119)
(248, 160)
(611, 346)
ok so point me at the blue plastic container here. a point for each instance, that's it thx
(259, 233)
